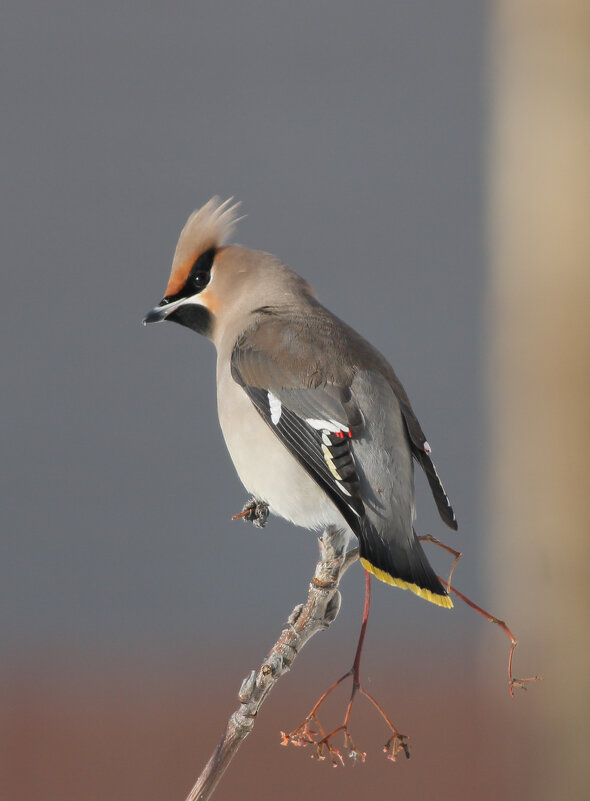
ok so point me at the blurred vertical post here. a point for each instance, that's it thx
(539, 367)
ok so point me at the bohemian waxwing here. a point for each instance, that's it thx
(319, 428)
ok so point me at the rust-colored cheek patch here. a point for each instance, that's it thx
(210, 300)
(178, 278)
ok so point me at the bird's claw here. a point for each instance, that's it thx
(254, 511)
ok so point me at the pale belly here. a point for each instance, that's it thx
(265, 466)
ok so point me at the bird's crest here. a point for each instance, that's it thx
(206, 228)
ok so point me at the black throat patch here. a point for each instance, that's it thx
(193, 316)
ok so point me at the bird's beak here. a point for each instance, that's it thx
(161, 311)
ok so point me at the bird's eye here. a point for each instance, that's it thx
(201, 279)
(200, 274)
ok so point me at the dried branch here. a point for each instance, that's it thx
(318, 612)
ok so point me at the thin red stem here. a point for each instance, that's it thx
(381, 711)
(356, 665)
(512, 682)
(324, 695)
(354, 671)
(302, 735)
(456, 554)
(359, 648)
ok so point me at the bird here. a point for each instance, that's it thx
(318, 425)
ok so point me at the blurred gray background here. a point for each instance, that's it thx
(353, 138)
(354, 135)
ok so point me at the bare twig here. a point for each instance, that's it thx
(512, 680)
(318, 612)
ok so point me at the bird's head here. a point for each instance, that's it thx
(193, 294)
(214, 288)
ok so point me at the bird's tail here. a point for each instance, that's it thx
(401, 564)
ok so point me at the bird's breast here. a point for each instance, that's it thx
(265, 466)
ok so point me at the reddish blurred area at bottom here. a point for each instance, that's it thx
(86, 738)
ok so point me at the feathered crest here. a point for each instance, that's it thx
(207, 227)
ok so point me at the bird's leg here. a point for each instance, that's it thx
(304, 734)
(255, 511)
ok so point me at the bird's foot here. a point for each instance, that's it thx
(254, 511)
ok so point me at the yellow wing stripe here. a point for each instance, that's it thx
(330, 463)
(428, 595)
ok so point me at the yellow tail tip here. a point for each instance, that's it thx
(435, 598)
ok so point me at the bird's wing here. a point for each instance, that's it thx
(315, 422)
(318, 420)
(303, 367)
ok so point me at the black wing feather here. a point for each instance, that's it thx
(305, 443)
(420, 451)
